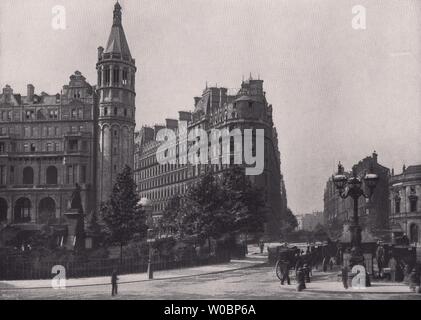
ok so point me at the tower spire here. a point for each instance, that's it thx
(117, 14)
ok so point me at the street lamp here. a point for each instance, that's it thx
(353, 187)
(146, 204)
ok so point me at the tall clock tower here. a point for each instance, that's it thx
(116, 112)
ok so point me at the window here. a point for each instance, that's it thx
(3, 209)
(125, 77)
(73, 145)
(125, 112)
(116, 76)
(73, 113)
(397, 205)
(84, 145)
(105, 111)
(2, 147)
(413, 199)
(22, 212)
(12, 174)
(28, 176)
(33, 147)
(115, 111)
(51, 175)
(70, 175)
(29, 115)
(107, 77)
(49, 146)
(83, 174)
(2, 175)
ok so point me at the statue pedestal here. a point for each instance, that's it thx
(75, 229)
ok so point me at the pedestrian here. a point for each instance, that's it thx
(380, 258)
(306, 270)
(393, 264)
(301, 284)
(114, 279)
(261, 246)
(325, 263)
(413, 280)
(331, 263)
(345, 277)
(285, 272)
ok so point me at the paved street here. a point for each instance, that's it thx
(257, 282)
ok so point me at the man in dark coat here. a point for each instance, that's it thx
(114, 279)
(285, 272)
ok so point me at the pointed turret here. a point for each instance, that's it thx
(116, 110)
(117, 42)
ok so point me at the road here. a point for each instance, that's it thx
(257, 282)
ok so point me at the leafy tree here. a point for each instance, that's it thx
(289, 224)
(212, 208)
(122, 216)
(243, 201)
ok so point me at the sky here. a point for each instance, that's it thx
(337, 93)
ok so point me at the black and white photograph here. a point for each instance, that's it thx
(181, 150)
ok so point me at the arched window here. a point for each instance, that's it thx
(51, 175)
(22, 212)
(46, 210)
(413, 199)
(3, 210)
(413, 233)
(28, 175)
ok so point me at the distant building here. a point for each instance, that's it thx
(246, 108)
(373, 214)
(309, 221)
(405, 207)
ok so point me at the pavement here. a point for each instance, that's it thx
(252, 260)
(249, 278)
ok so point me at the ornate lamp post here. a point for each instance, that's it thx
(353, 187)
(147, 206)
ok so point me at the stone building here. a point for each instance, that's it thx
(82, 137)
(405, 209)
(310, 221)
(246, 108)
(374, 214)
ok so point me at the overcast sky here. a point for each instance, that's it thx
(337, 93)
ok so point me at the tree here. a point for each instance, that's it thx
(290, 222)
(122, 216)
(243, 201)
(212, 208)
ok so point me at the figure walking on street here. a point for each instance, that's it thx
(114, 279)
(285, 272)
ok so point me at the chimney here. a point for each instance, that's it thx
(375, 156)
(30, 92)
(100, 52)
(184, 116)
(7, 91)
(171, 123)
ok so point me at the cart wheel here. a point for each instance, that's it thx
(278, 270)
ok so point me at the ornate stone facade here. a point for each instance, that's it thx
(215, 109)
(405, 207)
(374, 214)
(83, 135)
